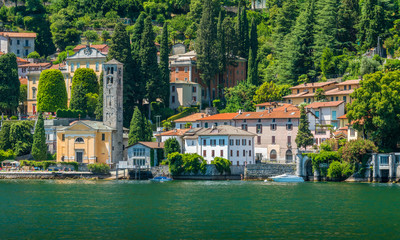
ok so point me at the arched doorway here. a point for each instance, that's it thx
(273, 155)
(308, 170)
(289, 156)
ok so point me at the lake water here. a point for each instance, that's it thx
(78, 209)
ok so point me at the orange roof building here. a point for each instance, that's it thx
(103, 48)
(193, 119)
(19, 43)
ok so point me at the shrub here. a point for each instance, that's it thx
(340, 170)
(14, 118)
(6, 155)
(34, 55)
(186, 163)
(41, 164)
(222, 165)
(68, 113)
(99, 168)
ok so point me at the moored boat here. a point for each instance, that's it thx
(287, 178)
(161, 179)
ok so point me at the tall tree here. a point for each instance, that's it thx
(21, 137)
(347, 19)
(207, 53)
(87, 78)
(39, 147)
(221, 43)
(297, 58)
(171, 146)
(252, 66)
(120, 49)
(78, 98)
(244, 52)
(139, 130)
(304, 136)
(52, 94)
(371, 23)
(285, 20)
(164, 66)
(9, 83)
(325, 29)
(149, 66)
(99, 107)
(5, 142)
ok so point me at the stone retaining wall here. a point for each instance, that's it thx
(52, 175)
(263, 171)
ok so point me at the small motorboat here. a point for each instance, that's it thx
(161, 179)
(286, 178)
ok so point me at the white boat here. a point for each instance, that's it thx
(287, 178)
(161, 179)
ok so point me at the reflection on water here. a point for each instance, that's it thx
(76, 209)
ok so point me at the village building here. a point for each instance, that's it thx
(347, 128)
(223, 141)
(267, 105)
(175, 133)
(275, 132)
(145, 154)
(94, 141)
(103, 48)
(21, 44)
(218, 120)
(192, 120)
(184, 72)
(323, 119)
(304, 93)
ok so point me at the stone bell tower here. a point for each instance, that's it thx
(113, 106)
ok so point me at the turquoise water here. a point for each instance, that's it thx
(64, 209)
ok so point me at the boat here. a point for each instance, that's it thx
(287, 178)
(161, 179)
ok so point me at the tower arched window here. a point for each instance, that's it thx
(112, 70)
(79, 140)
(108, 70)
(272, 155)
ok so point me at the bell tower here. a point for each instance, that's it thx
(113, 106)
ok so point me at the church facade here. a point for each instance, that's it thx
(95, 141)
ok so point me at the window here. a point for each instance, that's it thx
(272, 155)
(33, 92)
(249, 142)
(72, 67)
(259, 128)
(26, 52)
(244, 127)
(87, 65)
(317, 114)
(289, 156)
(259, 120)
(176, 79)
(173, 99)
(244, 153)
(258, 139)
(237, 142)
(222, 153)
(139, 152)
(78, 65)
(331, 98)
(273, 140)
(313, 90)
(10, 42)
(384, 160)
(289, 120)
(244, 142)
(345, 87)
(231, 142)
(289, 126)
(337, 98)
(195, 80)
(309, 100)
(344, 98)
(206, 125)
(186, 79)
(97, 66)
(352, 132)
(349, 87)
(237, 153)
(194, 99)
(289, 140)
(334, 115)
(273, 127)
(204, 153)
(186, 69)
(231, 153)
(250, 154)
(273, 120)
(79, 140)
(212, 153)
(298, 90)
(63, 137)
(103, 137)
(222, 142)
(205, 142)
(17, 42)
(173, 89)
(177, 70)
(26, 43)
(17, 51)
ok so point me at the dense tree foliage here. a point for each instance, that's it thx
(304, 136)
(164, 67)
(52, 94)
(39, 146)
(171, 145)
(9, 83)
(140, 128)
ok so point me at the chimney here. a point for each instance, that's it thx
(305, 84)
(285, 109)
(269, 110)
(312, 84)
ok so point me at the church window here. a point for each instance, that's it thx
(87, 65)
(78, 65)
(97, 66)
(79, 140)
(72, 67)
(112, 70)
(108, 70)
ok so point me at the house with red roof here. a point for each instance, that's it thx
(323, 118)
(175, 133)
(21, 44)
(219, 119)
(192, 119)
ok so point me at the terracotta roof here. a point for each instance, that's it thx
(21, 60)
(349, 82)
(99, 47)
(220, 116)
(218, 131)
(337, 91)
(1, 53)
(342, 117)
(57, 66)
(301, 94)
(285, 111)
(313, 85)
(267, 104)
(174, 132)
(192, 118)
(324, 104)
(154, 145)
(35, 65)
(23, 81)
(18, 34)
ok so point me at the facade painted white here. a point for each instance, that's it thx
(140, 155)
(19, 45)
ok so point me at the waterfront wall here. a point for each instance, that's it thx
(263, 171)
(52, 175)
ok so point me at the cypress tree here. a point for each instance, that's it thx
(120, 49)
(164, 66)
(245, 37)
(136, 37)
(9, 83)
(78, 98)
(39, 147)
(99, 107)
(140, 128)
(285, 20)
(221, 43)
(252, 66)
(325, 29)
(52, 94)
(5, 142)
(149, 66)
(207, 53)
(304, 136)
(347, 19)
